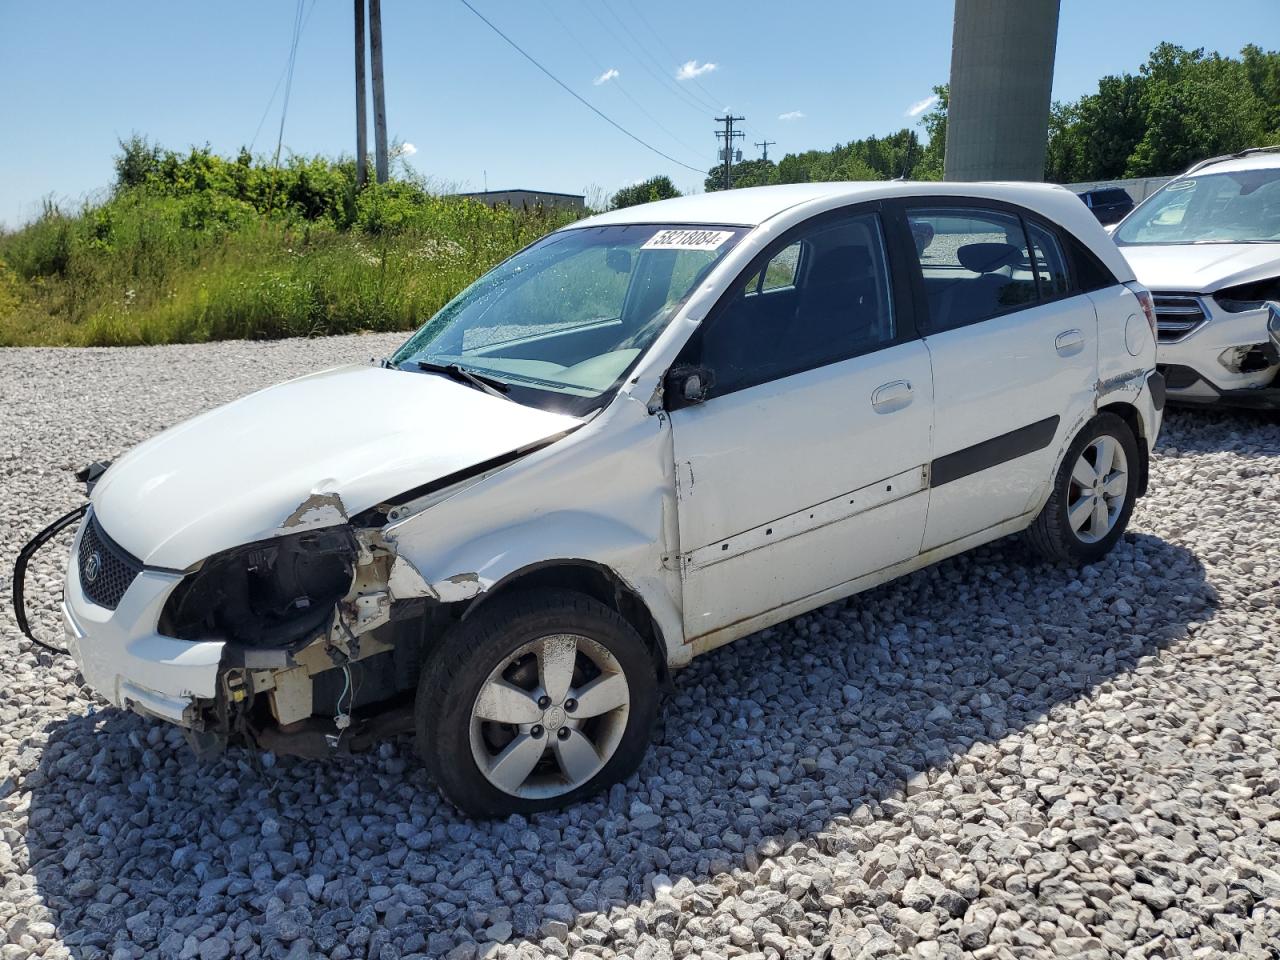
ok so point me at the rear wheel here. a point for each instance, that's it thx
(535, 702)
(1093, 494)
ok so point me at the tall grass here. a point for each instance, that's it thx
(197, 247)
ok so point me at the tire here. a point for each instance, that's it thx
(516, 650)
(1057, 533)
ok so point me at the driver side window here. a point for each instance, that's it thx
(821, 297)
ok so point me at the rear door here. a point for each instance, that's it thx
(1013, 348)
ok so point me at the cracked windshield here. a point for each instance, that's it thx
(563, 321)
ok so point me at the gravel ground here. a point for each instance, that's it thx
(992, 756)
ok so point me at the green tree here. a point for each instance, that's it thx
(1182, 106)
(138, 159)
(934, 121)
(871, 158)
(1263, 72)
(747, 173)
(798, 167)
(655, 188)
(1093, 138)
(1196, 106)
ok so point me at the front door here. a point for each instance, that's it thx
(804, 468)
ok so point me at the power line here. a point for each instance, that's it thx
(693, 89)
(288, 83)
(550, 8)
(661, 76)
(279, 80)
(630, 35)
(573, 93)
(715, 105)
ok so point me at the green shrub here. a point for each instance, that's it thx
(193, 247)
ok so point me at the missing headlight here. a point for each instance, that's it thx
(1248, 296)
(266, 594)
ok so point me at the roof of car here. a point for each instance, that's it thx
(751, 206)
(1258, 159)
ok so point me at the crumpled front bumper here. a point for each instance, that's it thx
(1196, 374)
(1186, 386)
(126, 660)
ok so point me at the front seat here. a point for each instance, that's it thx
(838, 304)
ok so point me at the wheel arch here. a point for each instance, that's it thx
(1130, 415)
(597, 581)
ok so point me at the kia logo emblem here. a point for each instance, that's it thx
(92, 567)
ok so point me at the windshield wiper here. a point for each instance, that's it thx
(489, 385)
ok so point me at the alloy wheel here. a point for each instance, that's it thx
(1098, 487)
(550, 716)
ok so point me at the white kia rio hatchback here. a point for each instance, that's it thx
(644, 436)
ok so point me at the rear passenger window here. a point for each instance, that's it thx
(975, 264)
(822, 298)
(1051, 264)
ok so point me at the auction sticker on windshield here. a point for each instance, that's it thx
(687, 240)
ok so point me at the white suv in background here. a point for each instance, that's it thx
(646, 435)
(1207, 244)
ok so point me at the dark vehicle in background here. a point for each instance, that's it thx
(1109, 204)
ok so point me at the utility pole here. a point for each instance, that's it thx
(729, 134)
(379, 101)
(362, 146)
(765, 147)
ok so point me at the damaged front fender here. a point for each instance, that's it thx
(318, 510)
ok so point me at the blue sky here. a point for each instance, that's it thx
(78, 75)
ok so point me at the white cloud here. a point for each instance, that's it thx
(791, 115)
(920, 106)
(610, 74)
(407, 149)
(693, 69)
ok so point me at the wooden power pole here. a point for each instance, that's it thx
(362, 145)
(726, 153)
(379, 100)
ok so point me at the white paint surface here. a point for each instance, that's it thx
(237, 473)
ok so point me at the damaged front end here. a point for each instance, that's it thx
(254, 596)
(268, 594)
(1255, 363)
(324, 633)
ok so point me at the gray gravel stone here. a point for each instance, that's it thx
(991, 757)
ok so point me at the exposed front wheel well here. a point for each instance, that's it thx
(1129, 414)
(596, 581)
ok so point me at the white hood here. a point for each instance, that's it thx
(1202, 267)
(305, 453)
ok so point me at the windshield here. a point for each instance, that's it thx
(1239, 207)
(562, 322)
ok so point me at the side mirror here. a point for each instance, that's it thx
(687, 385)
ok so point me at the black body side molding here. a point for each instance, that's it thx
(990, 453)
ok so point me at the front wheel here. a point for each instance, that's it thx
(536, 701)
(1093, 494)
